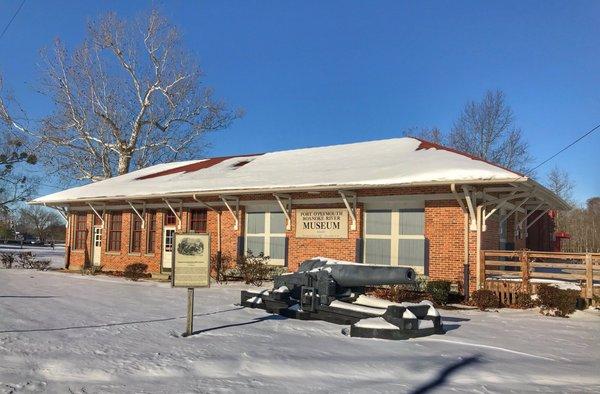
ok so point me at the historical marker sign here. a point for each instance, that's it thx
(322, 223)
(191, 261)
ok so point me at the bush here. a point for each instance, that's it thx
(254, 269)
(7, 259)
(219, 268)
(399, 293)
(439, 290)
(41, 265)
(523, 300)
(557, 302)
(232, 273)
(26, 260)
(135, 271)
(485, 299)
(96, 269)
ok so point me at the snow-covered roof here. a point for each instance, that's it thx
(390, 162)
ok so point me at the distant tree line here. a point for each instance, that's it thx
(583, 224)
(32, 223)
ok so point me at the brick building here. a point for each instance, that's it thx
(399, 201)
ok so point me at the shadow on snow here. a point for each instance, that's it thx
(116, 324)
(443, 375)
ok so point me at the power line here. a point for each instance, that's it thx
(565, 148)
(12, 19)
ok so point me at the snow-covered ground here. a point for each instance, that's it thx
(64, 332)
(56, 255)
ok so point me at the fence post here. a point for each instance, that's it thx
(525, 270)
(589, 276)
(482, 281)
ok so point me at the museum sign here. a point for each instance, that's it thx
(322, 223)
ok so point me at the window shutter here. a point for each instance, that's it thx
(240, 247)
(358, 255)
(286, 252)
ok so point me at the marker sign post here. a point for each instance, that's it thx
(191, 268)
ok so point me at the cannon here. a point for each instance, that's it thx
(334, 291)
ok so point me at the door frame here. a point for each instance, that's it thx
(94, 228)
(162, 247)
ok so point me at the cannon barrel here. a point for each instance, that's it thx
(359, 275)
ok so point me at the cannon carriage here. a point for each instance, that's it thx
(334, 291)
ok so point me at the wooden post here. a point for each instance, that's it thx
(190, 313)
(482, 281)
(589, 276)
(525, 270)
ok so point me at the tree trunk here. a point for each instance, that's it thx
(124, 163)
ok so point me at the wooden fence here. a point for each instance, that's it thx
(509, 272)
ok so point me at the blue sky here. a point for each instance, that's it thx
(322, 72)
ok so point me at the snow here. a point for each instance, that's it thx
(373, 302)
(375, 322)
(356, 308)
(561, 284)
(65, 332)
(255, 300)
(396, 161)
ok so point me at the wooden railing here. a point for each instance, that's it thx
(525, 265)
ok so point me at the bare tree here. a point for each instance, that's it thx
(433, 134)
(129, 96)
(14, 185)
(561, 184)
(487, 129)
(39, 221)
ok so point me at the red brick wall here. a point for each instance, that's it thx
(444, 233)
(78, 257)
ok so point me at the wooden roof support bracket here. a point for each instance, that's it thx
(286, 209)
(351, 209)
(504, 218)
(458, 199)
(536, 219)
(137, 213)
(227, 200)
(499, 204)
(524, 220)
(97, 214)
(203, 203)
(470, 203)
(178, 216)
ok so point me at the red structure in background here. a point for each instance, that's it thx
(558, 237)
(542, 235)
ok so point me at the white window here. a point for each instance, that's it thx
(395, 237)
(265, 233)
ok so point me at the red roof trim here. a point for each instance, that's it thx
(428, 145)
(199, 165)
